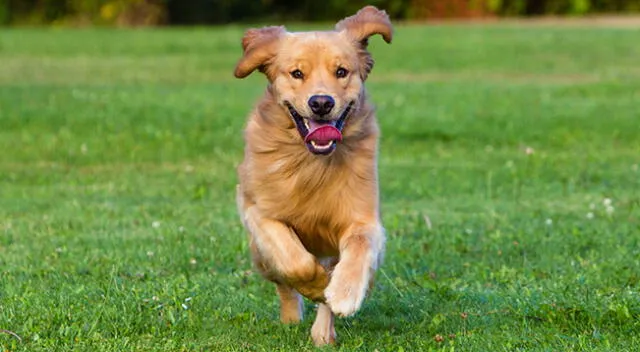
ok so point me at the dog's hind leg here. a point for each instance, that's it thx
(323, 332)
(290, 304)
(283, 257)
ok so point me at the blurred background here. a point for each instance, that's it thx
(208, 12)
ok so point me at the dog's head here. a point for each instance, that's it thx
(316, 77)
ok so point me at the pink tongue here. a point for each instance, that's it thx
(322, 133)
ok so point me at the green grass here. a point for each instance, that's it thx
(118, 228)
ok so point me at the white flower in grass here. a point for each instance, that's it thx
(589, 215)
(84, 149)
(529, 150)
(607, 202)
(184, 305)
(189, 168)
(155, 224)
(610, 209)
(181, 229)
(193, 261)
(150, 254)
(548, 222)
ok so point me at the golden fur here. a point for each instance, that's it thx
(313, 220)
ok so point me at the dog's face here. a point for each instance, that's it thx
(316, 77)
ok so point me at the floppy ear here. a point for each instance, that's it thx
(259, 46)
(359, 27)
(365, 23)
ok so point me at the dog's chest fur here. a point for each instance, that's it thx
(319, 197)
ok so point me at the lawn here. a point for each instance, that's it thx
(509, 169)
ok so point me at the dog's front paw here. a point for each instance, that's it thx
(345, 297)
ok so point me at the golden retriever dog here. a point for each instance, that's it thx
(308, 192)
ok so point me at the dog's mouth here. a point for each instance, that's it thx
(320, 136)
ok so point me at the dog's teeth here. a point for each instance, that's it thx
(318, 146)
(306, 123)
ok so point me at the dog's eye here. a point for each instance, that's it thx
(297, 74)
(341, 72)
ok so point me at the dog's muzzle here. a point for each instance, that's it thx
(320, 136)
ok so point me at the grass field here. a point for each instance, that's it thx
(510, 183)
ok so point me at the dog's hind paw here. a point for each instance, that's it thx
(323, 331)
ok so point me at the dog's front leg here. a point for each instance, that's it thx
(361, 250)
(284, 257)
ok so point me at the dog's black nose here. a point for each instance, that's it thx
(321, 104)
